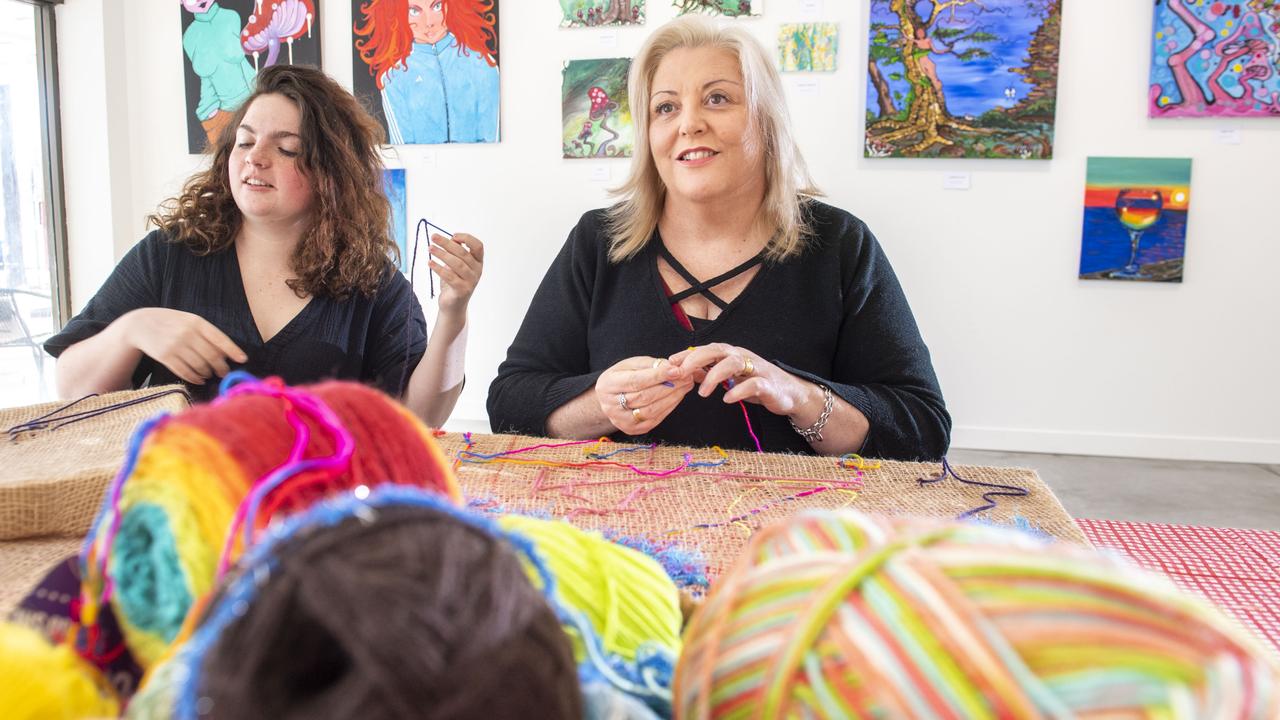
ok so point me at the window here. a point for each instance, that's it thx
(32, 260)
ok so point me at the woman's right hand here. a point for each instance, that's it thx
(190, 346)
(652, 388)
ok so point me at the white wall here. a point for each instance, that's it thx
(1030, 358)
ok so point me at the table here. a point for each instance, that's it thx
(715, 508)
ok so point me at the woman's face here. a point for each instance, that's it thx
(426, 19)
(698, 126)
(266, 182)
(197, 7)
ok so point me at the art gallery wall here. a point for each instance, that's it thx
(1030, 358)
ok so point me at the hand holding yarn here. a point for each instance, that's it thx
(750, 378)
(459, 261)
(190, 346)
(638, 393)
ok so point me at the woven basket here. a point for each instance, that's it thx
(52, 477)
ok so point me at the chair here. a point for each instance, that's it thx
(14, 331)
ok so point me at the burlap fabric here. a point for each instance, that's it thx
(23, 563)
(52, 479)
(747, 492)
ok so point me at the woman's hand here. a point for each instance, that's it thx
(190, 346)
(459, 261)
(638, 393)
(754, 379)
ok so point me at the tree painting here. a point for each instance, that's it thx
(728, 8)
(596, 112)
(962, 78)
(1215, 59)
(592, 13)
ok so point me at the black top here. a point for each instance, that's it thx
(360, 338)
(835, 314)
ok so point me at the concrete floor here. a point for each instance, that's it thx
(1236, 495)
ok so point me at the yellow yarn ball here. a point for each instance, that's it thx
(626, 594)
(41, 681)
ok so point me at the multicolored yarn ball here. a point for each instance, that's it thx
(626, 595)
(198, 485)
(397, 605)
(41, 681)
(841, 615)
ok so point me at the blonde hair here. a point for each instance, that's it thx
(631, 221)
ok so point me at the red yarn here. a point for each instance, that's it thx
(390, 446)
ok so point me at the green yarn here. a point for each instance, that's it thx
(156, 598)
(626, 594)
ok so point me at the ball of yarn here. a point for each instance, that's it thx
(396, 606)
(837, 614)
(626, 595)
(193, 470)
(41, 681)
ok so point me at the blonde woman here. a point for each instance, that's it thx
(719, 280)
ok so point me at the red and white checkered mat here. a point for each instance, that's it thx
(1237, 570)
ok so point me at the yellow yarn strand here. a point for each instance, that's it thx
(626, 595)
(41, 681)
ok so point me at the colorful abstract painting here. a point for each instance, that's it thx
(1215, 59)
(393, 186)
(808, 47)
(597, 114)
(963, 78)
(428, 69)
(594, 13)
(1135, 219)
(729, 8)
(224, 45)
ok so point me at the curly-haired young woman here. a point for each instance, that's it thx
(277, 260)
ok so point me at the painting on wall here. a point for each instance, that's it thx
(428, 69)
(224, 45)
(1215, 59)
(596, 112)
(1135, 219)
(393, 186)
(728, 8)
(594, 13)
(963, 78)
(808, 47)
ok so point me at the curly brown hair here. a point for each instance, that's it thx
(348, 248)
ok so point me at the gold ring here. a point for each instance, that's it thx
(635, 415)
(748, 367)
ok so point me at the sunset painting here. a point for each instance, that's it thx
(1135, 219)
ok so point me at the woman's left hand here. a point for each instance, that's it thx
(459, 261)
(755, 380)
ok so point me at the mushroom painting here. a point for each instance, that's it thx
(225, 43)
(276, 23)
(597, 115)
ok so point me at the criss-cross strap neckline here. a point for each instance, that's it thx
(698, 287)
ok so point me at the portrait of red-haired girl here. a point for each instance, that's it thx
(432, 64)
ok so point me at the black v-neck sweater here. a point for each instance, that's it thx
(835, 315)
(360, 338)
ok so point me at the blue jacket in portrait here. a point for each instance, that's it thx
(441, 95)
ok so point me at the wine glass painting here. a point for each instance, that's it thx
(1135, 219)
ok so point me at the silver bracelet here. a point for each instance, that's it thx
(813, 433)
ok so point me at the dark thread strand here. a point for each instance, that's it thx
(431, 290)
(989, 496)
(51, 421)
